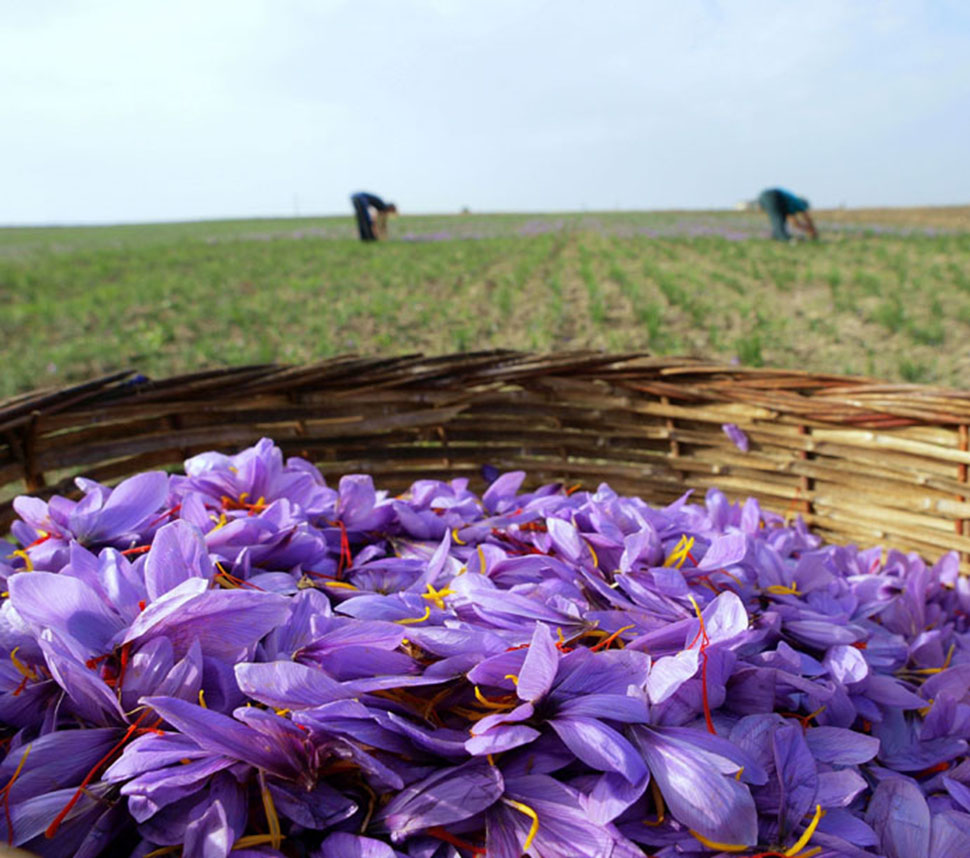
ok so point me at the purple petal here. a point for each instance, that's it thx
(795, 768)
(669, 673)
(129, 505)
(728, 549)
(839, 788)
(841, 746)
(342, 844)
(950, 834)
(178, 552)
(502, 490)
(68, 605)
(899, 815)
(225, 622)
(318, 808)
(221, 734)
(846, 664)
(288, 685)
(445, 797)
(540, 665)
(718, 807)
(504, 737)
(737, 436)
(600, 747)
(613, 707)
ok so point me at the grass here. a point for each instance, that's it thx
(170, 298)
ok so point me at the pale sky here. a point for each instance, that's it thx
(126, 111)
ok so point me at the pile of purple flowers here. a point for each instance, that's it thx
(244, 661)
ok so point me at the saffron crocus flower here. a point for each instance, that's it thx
(254, 478)
(102, 517)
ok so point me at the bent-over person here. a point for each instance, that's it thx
(782, 208)
(371, 227)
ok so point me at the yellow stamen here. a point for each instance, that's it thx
(233, 470)
(250, 840)
(272, 820)
(481, 698)
(605, 643)
(513, 677)
(491, 759)
(719, 847)
(680, 552)
(437, 596)
(596, 561)
(407, 621)
(164, 850)
(928, 671)
(17, 771)
(802, 841)
(221, 522)
(340, 585)
(781, 590)
(4, 594)
(243, 496)
(926, 709)
(457, 539)
(29, 567)
(282, 712)
(528, 811)
(481, 560)
(658, 801)
(202, 699)
(21, 667)
(816, 713)
(738, 773)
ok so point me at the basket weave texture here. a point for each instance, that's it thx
(862, 462)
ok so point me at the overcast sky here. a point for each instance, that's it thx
(127, 110)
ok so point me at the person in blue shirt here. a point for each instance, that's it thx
(783, 206)
(366, 226)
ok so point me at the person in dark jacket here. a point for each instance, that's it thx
(782, 206)
(371, 228)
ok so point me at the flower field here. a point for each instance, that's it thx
(885, 293)
(242, 660)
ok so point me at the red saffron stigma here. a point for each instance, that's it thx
(705, 642)
(932, 770)
(5, 792)
(142, 604)
(346, 558)
(165, 515)
(52, 828)
(21, 686)
(457, 842)
(125, 655)
(605, 643)
(138, 549)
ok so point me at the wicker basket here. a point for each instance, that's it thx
(861, 462)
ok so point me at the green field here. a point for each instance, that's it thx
(884, 293)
